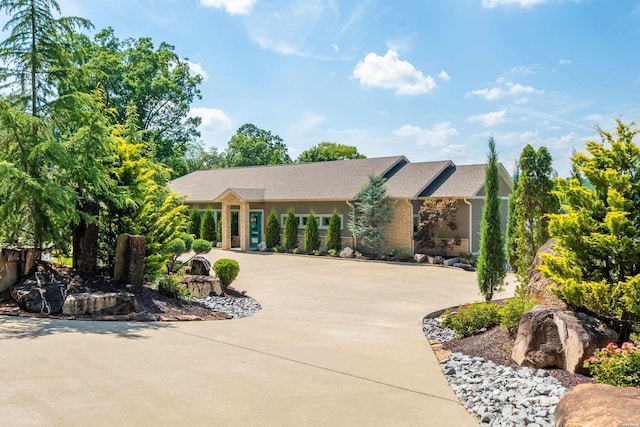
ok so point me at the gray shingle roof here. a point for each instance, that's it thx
(457, 181)
(409, 181)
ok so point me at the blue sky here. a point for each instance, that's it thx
(430, 79)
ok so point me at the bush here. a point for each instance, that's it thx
(272, 233)
(201, 246)
(194, 222)
(311, 234)
(175, 247)
(170, 286)
(472, 318)
(226, 270)
(333, 240)
(512, 310)
(333, 252)
(401, 255)
(219, 230)
(290, 235)
(188, 241)
(208, 226)
(616, 366)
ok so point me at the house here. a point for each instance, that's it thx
(247, 195)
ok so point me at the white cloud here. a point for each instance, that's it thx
(594, 117)
(564, 62)
(437, 135)
(196, 68)
(389, 72)
(490, 119)
(522, 69)
(232, 7)
(213, 119)
(522, 3)
(307, 122)
(444, 76)
(507, 89)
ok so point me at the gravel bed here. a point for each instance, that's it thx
(234, 307)
(498, 395)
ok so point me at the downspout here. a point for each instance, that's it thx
(470, 225)
(411, 222)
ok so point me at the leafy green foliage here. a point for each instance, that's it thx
(219, 230)
(195, 219)
(472, 318)
(201, 246)
(328, 151)
(252, 146)
(290, 233)
(311, 234)
(372, 213)
(401, 255)
(226, 270)
(616, 366)
(511, 245)
(597, 261)
(272, 233)
(333, 238)
(333, 252)
(435, 215)
(491, 262)
(512, 310)
(169, 285)
(208, 226)
(188, 241)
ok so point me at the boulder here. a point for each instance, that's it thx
(550, 337)
(347, 253)
(9, 274)
(200, 266)
(262, 246)
(100, 303)
(14, 265)
(203, 286)
(420, 258)
(538, 285)
(599, 405)
(35, 297)
(129, 262)
(464, 266)
(451, 261)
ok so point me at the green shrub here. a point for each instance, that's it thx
(401, 255)
(316, 252)
(219, 230)
(311, 234)
(208, 226)
(333, 239)
(194, 222)
(512, 310)
(188, 241)
(616, 366)
(333, 252)
(226, 270)
(290, 234)
(472, 318)
(201, 246)
(175, 247)
(272, 234)
(170, 286)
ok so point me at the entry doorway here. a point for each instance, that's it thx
(255, 229)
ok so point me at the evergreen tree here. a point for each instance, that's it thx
(311, 234)
(372, 212)
(273, 230)
(511, 245)
(195, 219)
(208, 226)
(534, 201)
(290, 233)
(333, 239)
(597, 261)
(491, 262)
(219, 230)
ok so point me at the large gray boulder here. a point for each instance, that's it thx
(550, 337)
(599, 405)
(14, 265)
(538, 286)
(203, 286)
(347, 253)
(200, 266)
(34, 297)
(99, 303)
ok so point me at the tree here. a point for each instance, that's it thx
(533, 202)
(252, 146)
(327, 151)
(491, 268)
(290, 232)
(195, 220)
(197, 158)
(371, 214)
(273, 230)
(597, 262)
(511, 244)
(333, 239)
(311, 234)
(208, 226)
(435, 215)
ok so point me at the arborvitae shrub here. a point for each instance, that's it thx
(219, 230)
(194, 222)
(290, 235)
(333, 239)
(311, 234)
(208, 226)
(273, 230)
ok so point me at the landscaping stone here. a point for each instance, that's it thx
(234, 307)
(262, 246)
(9, 274)
(538, 285)
(38, 297)
(451, 261)
(599, 405)
(202, 286)
(129, 261)
(14, 265)
(467, 267)
(420, 258)
(200, 266)
(109, 303)
(347, 252)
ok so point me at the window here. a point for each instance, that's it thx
(323, 220)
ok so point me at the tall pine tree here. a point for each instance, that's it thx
(372, 213)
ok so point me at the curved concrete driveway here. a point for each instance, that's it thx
(337, 343)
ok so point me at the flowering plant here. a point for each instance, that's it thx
(619, 366)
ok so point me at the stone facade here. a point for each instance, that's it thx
(400, 230)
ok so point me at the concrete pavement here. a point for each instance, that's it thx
(337, 343)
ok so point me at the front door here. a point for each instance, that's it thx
(255, 229)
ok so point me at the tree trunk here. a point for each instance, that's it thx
(85, 240)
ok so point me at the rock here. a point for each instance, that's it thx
(203, 286)
(14, 265)
(219, 245)
(262, 246)
(9, 274)
(200, 266)
(538, 285)
(464, 266)
(550, 337)
(34, 297)
(420, 258)
(129, 262)
(346, 253)
(599, 405)
(451, 261)
(100, 303)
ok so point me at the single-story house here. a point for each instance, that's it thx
(247, 195)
